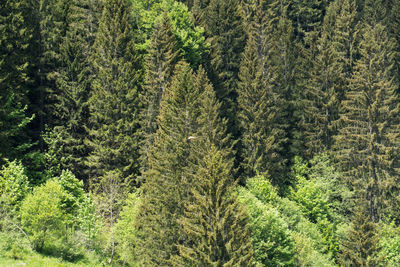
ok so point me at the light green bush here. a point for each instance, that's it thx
(272, 241)
(14, 185)
(42, 216)
(262, 188)
(125, 231)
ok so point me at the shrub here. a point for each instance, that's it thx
(41, 214)
(14, 185)
(272, 241)
(262, 188)
(125, 231)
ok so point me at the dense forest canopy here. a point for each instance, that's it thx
(200, 132)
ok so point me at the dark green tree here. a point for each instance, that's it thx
(307, 16)
(15, 59)
(113, 102)
(224, 30)
(215, 227)
(261, 101)
(50, 30)
(66, 142)
(332, 67)
(167, 187)
(368, 139)
(360, 248)
(160, 64)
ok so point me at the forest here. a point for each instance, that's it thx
(200, 133)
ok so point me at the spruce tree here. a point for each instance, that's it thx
(167, 186)
(368, 140)
(160, 64)
(113, 102)
(66, 140)
(307, 16)
(360, 247)
(15, 45)
(262, 107)
(224, 30)
(328, 82)
(215, 227)
(50, 30)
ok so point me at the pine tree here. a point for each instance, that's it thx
(166, 185)
(328, 82)
(261, 103)
(368, 140)
(224, 30)
(113, 102)
(50, 30)
(73, 87)
(15, 45)
(215, 228)
(307, 16)
(160, 63)
(360, 247)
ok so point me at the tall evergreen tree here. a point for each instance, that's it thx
(215, 228)
(50, 30)
(113, 103)
(328, 82)
(15, 45)
(307, 16)
(360, 247)
(224, 30)
(368, 140)
(261, 103)
(166, 187)
(66, 141)
(160, 64)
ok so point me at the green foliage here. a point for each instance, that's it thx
(65, 141)
(360, 248)
(312, 200)
(166, 187)
(73, 195)
(162, 57)
(88, 223)
(42, 216)
(332, 67)
(389, 244)
(190, 39)
(125, 230)
(310, 244)
(368, 139)
(14, 185)
(262, 189)
(214, 225)
(113, 103)
(15, 58)
(262, 104)
(272, 241)
(224, 30)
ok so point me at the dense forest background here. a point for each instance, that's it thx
(200, 132)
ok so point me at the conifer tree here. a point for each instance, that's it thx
(215, 228)
(113, 102)
(307, 16)
(368, 140)
(166, 187)
(360, 247)
(15, 45)
(50, 30)
(66, 142)
(328, 82)
(224, 30)
(261, 103)
(160, 63)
